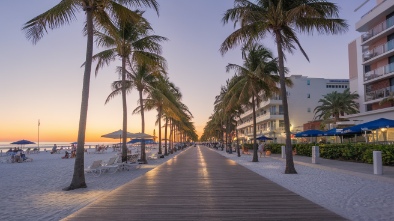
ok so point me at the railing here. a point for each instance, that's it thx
(378, 94)
(372, 9)
(378, 28)
(379, 72)
(388, 46)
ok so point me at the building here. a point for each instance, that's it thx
(303, 97)
(371, 63)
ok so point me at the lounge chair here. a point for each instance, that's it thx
(111, 165)
(95, 168)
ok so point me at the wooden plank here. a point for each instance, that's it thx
(200, 184)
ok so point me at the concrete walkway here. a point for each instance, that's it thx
(200, 184)
(360, 169)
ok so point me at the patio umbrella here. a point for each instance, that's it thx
(23, 142)
(310, 133)
(117, 134)
(264, 138)
(141, 136)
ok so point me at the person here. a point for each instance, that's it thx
(54, 149)
(261, 149)
(66, 155)
(73, 151)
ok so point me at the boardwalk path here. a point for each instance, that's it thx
(200, 184)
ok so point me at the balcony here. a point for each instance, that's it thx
(385, 25)
(379, 50)
(378, 94)
(379, 72)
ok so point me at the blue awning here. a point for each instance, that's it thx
(372, 125)
(310, 133)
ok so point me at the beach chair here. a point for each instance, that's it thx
(95, 169)
(111, 165)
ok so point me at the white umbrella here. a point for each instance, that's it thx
(117, 134)
(141, 136)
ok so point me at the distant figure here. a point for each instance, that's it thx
(54, 149)
(261, 149)
(66, 155)
(73, 151)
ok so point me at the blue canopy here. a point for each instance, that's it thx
(147, 141)
(263, 137)
(332, 132)
(310, 133)
(22, 142)
(372, 125)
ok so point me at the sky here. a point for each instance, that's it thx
(43, 82)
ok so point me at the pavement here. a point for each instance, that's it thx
(354, 168)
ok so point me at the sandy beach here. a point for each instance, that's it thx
(32, 190)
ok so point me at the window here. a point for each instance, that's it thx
(280, 109)
(309, 109)
(308, 82)
(281, 123)
(309, 96)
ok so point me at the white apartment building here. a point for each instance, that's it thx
(371, 62)
(302, 97)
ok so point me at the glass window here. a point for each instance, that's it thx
(308, 82)
(309, 96)
(309, 109)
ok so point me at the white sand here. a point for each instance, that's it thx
(33, 190)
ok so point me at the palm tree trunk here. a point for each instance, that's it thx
(78, 180)
(143, 154)
(165, 137)
(160, 152)
(230, 150)
(255, 157)
(236, 134)
(124, 132)
(290, 169)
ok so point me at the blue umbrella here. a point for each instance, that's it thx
(310, 133)
(147, 141)
(23, 142)
(372, 125)
(333, 132)
(263, 137)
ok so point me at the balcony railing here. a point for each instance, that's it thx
(383, 48)
(379, 28)
(378, 94)
(379, 72)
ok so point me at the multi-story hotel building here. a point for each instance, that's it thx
(371, 62)
(303, 97)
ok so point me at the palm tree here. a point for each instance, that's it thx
(129, 40)
(281, 19)
(254, 81)
(337, 104)
(98, 13)
(389, 98)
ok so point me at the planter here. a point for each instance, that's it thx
(268, 153)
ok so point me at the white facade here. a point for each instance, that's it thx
(371, 62)
(302, 99)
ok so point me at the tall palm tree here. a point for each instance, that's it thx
(337, 104)
(256, 80)
(98, 13)
(129, 40)
(161, 99)
(282, 19)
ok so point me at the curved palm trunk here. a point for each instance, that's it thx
(165, 138)
(255, 157)
(236, 134)
(290, 169)
(228, 138)
(160, 152)
(124, 132)
(78, 180)
(143, 154)
(170, 140)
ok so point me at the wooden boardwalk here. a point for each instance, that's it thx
(200, 184)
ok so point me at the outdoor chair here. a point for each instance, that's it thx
(111, 165)
(95, 169)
